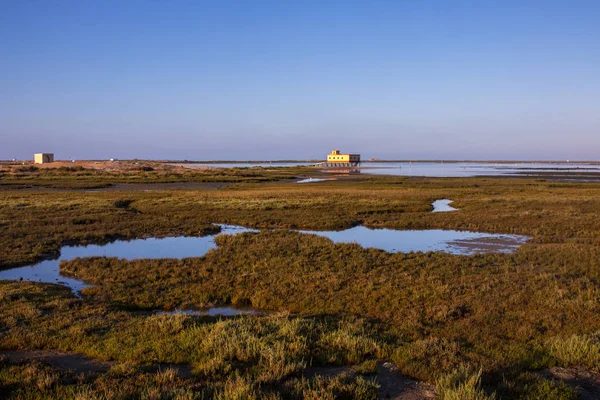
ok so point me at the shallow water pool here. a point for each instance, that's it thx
(443, 205)
(170, 247)
(213, 312)
(405, 241)
(450, 241)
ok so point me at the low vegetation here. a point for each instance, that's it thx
(103, 175)
(577, 350)
(462, 384)
(478, 327)
(251, 354)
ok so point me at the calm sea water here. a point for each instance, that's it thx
(439, 169)
(249, 165)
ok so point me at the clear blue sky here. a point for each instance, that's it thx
(193, 79)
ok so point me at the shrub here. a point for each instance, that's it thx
(577, 350)
(461, 384)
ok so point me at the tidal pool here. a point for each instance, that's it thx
(450, 241)
(213, 312)
(169, 247)
(313, 180)
(405, 241)
(443, 206)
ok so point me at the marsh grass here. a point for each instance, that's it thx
(577, 350)
(329, 388)
(367, 367)
(265, 353)
(33, 380)
(431, 313)
(89, 178)
(35, 223)
(462, 384)
(531, 386)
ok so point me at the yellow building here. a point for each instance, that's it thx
(337, 158)
(43, 158)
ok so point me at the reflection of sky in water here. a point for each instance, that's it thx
(470, 169)
(439, 169)
(248, 165)
(454, 242)
(443, 206)
(312, 180)
(213, 312)
(171, 247)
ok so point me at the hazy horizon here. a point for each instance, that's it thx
(270, 80)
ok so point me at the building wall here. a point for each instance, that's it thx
(42, 158)
(340, 158)
(337, 157)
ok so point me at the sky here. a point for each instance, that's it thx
(253, 79)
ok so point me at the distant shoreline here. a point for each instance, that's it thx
(381, 161)
(369, 161)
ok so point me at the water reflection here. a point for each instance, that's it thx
(247, 164)
(453, 242)
(405, 241)
(170, 247)
(337, 170)
(443, 206)
(313, 180)
(213, 312)
(469, 169)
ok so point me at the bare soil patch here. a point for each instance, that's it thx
(77, 363)
(585, 382)
(492, 244)
(397, 386)
(81, 364)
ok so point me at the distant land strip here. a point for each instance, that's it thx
(379, 161)
(370, 160)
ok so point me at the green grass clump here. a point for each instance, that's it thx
(577, 350)
(368, 367)
(35, 380)
(266, 350)
(532, 386)
(462, 384)
(329, 388)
